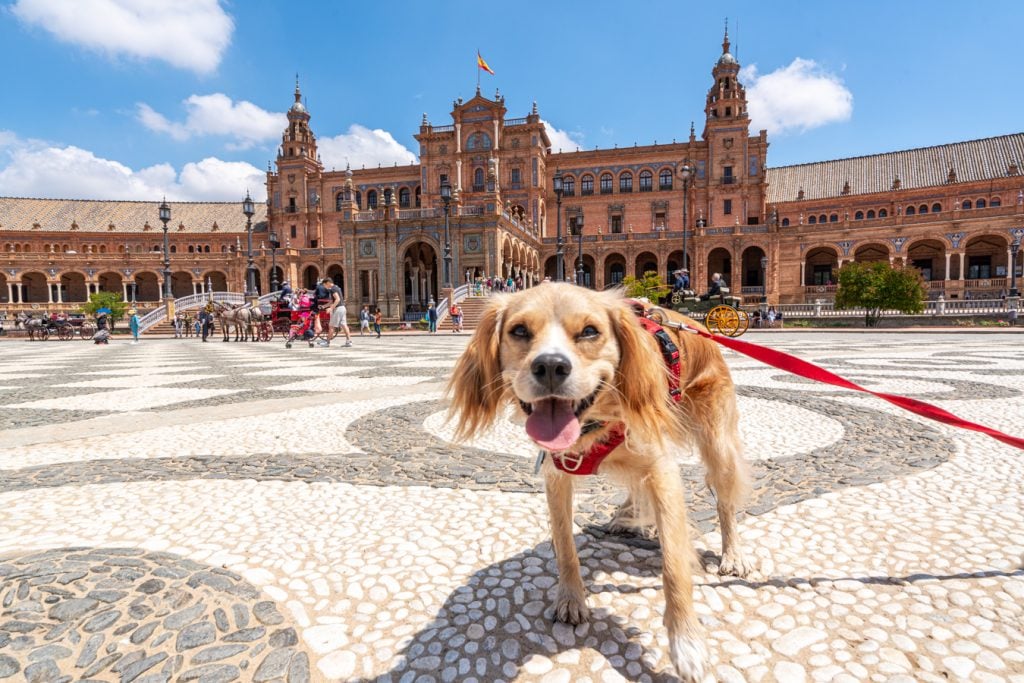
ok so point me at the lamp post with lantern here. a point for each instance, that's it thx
(165, 217)
(274, 245)
(685, 173)
(579, 264)
(446, 197)
(556, 185)
(1014, 250)
(250, 269)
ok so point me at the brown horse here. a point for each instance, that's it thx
(242, 317)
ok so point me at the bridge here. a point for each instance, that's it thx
(195, 301)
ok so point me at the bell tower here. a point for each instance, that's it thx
(726, 104)
(299, 174)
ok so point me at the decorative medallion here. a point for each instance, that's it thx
(898, 242)
(367, 247)
(846, 245)
(955, 237)
(472, 244)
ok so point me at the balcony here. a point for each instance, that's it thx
(728, 180)
(291, 209)
(606, 190)
(646, 188)
(587, 193)
(664, 187)
(515, 122)
(478, 188)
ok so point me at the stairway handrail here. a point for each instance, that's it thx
(458, 294)
(155, 316)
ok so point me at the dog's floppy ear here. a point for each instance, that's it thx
(475, 387)
(642, 382)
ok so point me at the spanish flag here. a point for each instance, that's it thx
(482, 64)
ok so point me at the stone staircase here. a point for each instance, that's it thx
(473, 308)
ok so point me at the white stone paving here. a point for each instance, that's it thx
(918, 578)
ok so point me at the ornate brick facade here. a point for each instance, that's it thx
(950, 210)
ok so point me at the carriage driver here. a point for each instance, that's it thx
(716, 287)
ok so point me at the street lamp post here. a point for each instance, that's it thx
(1014, 250)
(764, 278)
(685, 173)
(250, 270)
(446, 197)
(209, 288)
(556, 184)
(579, 264)
(165, 216)
(274, 244)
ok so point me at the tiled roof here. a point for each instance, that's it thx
(57, 215)
(972, 160)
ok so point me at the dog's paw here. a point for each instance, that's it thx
(570, 607)
(689, 656)
(735, 563)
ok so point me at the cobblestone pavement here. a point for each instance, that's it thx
(178, 511)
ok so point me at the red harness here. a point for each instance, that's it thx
(589, 461)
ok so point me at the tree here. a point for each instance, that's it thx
(110, 300)
(878, 287)
(650, 287)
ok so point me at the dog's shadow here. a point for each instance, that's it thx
(500, 622)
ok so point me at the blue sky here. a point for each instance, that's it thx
(121, 99)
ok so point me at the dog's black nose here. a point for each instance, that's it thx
(550, 370)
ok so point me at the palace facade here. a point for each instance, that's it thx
(775, 233)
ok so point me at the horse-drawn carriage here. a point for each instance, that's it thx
(722, 313)
(43, 328)
(299, 322)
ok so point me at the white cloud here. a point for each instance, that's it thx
(797, 97)
(561, 140)
(361, 146)
(188, 34)
(33, 168)
(217, 114)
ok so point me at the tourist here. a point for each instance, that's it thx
(364, 320)
(376, 321)
(456, 314)
(772, 315)
(133, 323)
(432, 317)
(177, 326)
(102, 335)
(205, 320)
(339, 314)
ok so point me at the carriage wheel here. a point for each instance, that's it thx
(66, 333)
(44, 334)
(266, 331)
(677, 298)
(86, 331)
(744, 322)
(723, 319)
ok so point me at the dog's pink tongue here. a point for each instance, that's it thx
(553, 425)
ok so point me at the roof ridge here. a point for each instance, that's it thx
(117, 201)
(897, 151)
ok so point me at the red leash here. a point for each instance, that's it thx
(792, 364)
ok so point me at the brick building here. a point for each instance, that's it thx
(776, 233)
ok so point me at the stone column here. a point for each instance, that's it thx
(21, 292)
(946, 278)
(962, 255)
(414, 277)
(10, 292)
(49, 292)
(60, 294)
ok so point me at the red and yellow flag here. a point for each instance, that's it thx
(482, 64)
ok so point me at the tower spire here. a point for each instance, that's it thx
(298, 93)
(725, 41)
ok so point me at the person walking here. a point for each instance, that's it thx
(456, 318)
(133, 323)
(376, 321)
(339, 313)
(432, 317)
(102, 335)
(364, 319)
(205, 320)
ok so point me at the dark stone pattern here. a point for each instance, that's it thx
(126, 614)
(876, 447)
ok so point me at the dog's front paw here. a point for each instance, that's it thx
(571, 606)
(735, 563)
(689, 656)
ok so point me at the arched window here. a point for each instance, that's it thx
(812, 220)
(174, 249)
(478, 180)
(568, 186)
(859, 216)
(417, 197)
(922, 209)
(626, 182)
(994, 202)
(478, 141)
(822, 218)
(103, 249)
(359, 200)
(387, 196)
(587, 185)
(371, 199)
(191, 249)
(606, 183)
(646, 181)
(980, 204)
(785, 222)
(403, 198)
(665, 179)
(871, 214)
(882, 213)
(936, 208)
(206, 249)
(834, 218)
(966, 204)
(910, 211)
(338, 200)
(224, 249)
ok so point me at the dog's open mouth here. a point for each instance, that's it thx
(554, 423)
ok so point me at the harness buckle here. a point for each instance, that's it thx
(570, 461)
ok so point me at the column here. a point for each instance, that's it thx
(60, 294)
(429, 288)
(49, 292)
(21, 292)
(195, 290)
(962, 255)
(414, 276)
(124, 289)
(10, 292)
(947, 266)
(803, 273)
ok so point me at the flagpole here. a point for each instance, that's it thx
(478, 70)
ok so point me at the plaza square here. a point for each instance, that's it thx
(302, 514)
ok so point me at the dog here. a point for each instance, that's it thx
(577, 365)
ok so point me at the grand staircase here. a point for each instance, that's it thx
(473, 308)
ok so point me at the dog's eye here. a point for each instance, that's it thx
(520, 331)
(589, 332)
